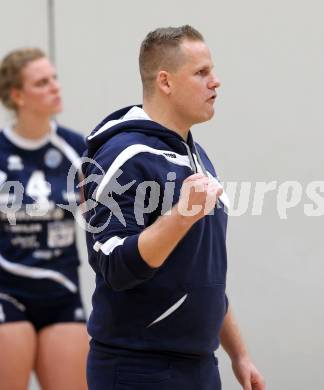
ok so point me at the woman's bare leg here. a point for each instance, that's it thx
(61, 357)
(17, 356)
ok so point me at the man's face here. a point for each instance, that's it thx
(193, 85)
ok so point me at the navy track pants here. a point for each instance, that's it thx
(143, 371)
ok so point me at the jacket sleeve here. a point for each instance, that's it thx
(114, 226)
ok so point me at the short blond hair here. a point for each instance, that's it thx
(161, 50)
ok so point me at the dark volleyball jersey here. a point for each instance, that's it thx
(37, 237)
(137, 173)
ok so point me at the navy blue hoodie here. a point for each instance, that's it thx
(137, 174)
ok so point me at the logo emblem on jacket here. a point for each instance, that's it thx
(172, 155)
(15, 163)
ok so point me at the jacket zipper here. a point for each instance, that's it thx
(192, 160)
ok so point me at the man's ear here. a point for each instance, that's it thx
(163, 82)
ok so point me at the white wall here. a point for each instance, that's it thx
(268, 127)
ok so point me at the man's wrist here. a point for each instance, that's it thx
(183, 221)
(240, 357)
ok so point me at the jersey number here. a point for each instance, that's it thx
(37, 187)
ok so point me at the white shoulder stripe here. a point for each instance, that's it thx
(133, 150)
(172, 309)
(37, 273)
(66, 149)
(109, 245)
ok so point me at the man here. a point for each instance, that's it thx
(156, 233)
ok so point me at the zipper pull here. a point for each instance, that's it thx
(191, 159)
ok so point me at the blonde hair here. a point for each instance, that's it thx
(11, 72)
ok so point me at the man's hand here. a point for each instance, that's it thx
(232, 341)
(248, 375)
(198, 196)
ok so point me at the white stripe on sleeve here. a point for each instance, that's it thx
(109, 245)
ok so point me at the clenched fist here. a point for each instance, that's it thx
(198, 196)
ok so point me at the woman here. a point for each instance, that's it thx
(42, 322)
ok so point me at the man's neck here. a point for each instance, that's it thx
(165, 117)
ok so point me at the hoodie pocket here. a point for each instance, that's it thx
(192, 321)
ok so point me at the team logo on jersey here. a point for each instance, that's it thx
(60, 234)
(15, 163)
(53, 158)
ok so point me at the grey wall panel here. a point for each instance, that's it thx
(23, 23)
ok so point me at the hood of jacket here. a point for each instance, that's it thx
(134, 119)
